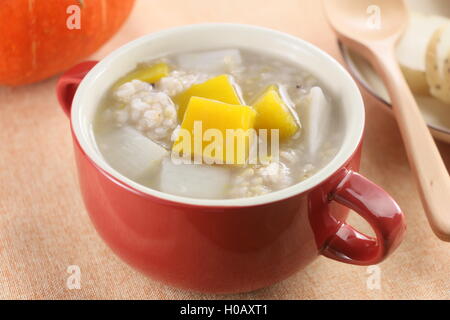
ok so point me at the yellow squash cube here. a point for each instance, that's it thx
(220, 88)
(274, 113)
(149, 74)
(204, 114)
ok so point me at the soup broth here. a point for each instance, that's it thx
(138, 124)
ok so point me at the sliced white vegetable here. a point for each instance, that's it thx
(282, 90)
(211, 62)
(194, 180)
(411, 49)
(443, 49)
(438, 77)
(316, 121)
(237, 89)
(131, 153)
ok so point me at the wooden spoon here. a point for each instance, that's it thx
(372, 27)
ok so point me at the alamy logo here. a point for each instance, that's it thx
(374, 20)
(374, 279)
(230, 146)
(74, 280)
(73, 21)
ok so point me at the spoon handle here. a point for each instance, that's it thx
(424, 158)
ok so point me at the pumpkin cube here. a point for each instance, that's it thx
(149, 74)
(220, 145)
(274, 112)
(221, 88)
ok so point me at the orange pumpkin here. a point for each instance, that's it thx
(40, 38)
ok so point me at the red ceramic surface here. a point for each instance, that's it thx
(234, 249)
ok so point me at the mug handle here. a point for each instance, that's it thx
(378, 208)
(68, 84)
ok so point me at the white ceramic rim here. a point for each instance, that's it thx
(82, 127)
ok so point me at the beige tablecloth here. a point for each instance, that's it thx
(44, 227)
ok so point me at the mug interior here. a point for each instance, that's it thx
(329, 73)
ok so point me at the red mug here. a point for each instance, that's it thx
(233, 245)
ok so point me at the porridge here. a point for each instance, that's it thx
(141, 124)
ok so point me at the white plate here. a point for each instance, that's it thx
(436, 113)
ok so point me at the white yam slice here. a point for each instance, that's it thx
(219, 61)
(194, 180)
(443, 54)
(316, 121)
(412, 47)
(437, 65)
(131, 153)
